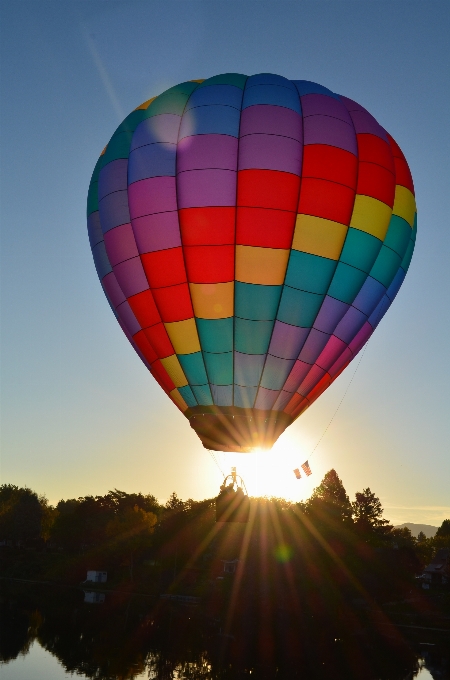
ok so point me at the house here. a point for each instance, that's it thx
(97, 577)
(94, 598)
(438, 571)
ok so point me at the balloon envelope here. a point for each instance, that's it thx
(249, 234)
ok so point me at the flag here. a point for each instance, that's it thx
(306, 469)
(297, 473)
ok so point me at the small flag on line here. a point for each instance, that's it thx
(297, 473)
(306, 469)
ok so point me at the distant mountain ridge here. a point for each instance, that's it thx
(427, 529)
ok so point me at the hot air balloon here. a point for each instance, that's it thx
(249, 234)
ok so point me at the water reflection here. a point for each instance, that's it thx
(116, 637)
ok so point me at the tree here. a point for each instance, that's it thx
(130, 530)
(421, 538)
(444, 529)
(368, 516)
(21, 513)
(329, 501)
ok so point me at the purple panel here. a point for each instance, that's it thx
(266, 398)
(154, 195)
(112, 177)
(113, 290)
(270, 152)
(379, 312)
(365, 123)
(361, 339)
(350, 325)
(200, 188)
(299, 371)
(120, 244)
(131, 277)
(351, 105)
(113, 210)
(311, 380)
(128, 319)
(313, 104)
(157, 232)
(95, 229)
(313, 346)
(395, 285)
(162, 128)
(269, 79)
(326, 130)
(344, 359)
(271, 120)
(207, 151)
(282, 401)
(287, 340)
(331, 353)
(330, 314)
(248, 368)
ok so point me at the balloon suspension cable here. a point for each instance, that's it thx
(212, 454)
(340, 403)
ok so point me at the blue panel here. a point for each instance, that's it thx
(309, 272)
(94, 229)
(269, 79)
(380, 311)
(227, 95)
(248, 368)
(256, 302)
(216, 335)
(114, 210)
(153, 160)
(161, 128)
(113, 177)
(369, 296)
(194, 368)
(349, 326)
(276, 371)
(271, 94)
(313, 346)
(222, 395)
(244, 397)
(219, 368)
(308, 87)
(206, 120)
(396, 283)
(252, 337)
(299, 308)
(360, 249)
(202, 394)
(101, 260)
(188, 395)
(398, 235)
(386, 266)
(346, 283)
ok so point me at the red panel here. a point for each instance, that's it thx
(207, 226)
(160, 341)
(377, 182)
(162, 377)
(403, 174)
(396, 150)
(144, 308)
(174, 303)
(321, 386)
(265, 228)
(295, 401)
(329, 162)
(326, 199)
(164, 267)
(145, 347)
(268, 189)
(209, 264)
(373, 149)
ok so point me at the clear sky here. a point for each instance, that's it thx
(80, 413)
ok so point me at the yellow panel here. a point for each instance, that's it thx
(173, 368)
(178, 399)
(184, 337)
(200, 80)
(146, 104)
(212, 300)
(404, 204)
(319, 236)
(104, 150)
(371, 216)
(266, 266)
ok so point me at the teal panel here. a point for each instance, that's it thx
(408, 255)
(398, 235)
(346, 283)
(252, 337)
(236, 79)
(252, 301)
(173, 102)
(203, 394)
(188, 395)
(219, 367)
(92, 199)
(360, 249)
(118, 146)
(216, 335)
(386, 266)
(299, 308)
(309, 272)
(184, 88)
(193, 367)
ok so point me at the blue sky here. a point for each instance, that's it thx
(80, 414)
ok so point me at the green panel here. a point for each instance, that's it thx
(174, 102)
(386, 266)
(309, 272)
(236, 79)
(219, 368)
(216, 335)
(360, 249)
(184, 88)
(252, 337)
(203, 394)
(408, 255)
(118, 146)
(188, 395)
(398, 235)
(346, 283)
(299, 308)
(252, 301)
(193, 367)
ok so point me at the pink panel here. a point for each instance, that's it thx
(113, 290)
(313, 104)
(157, 232)
(131, 276)
(360, 340)
(128, 319)
(331, 352)
(343, 360)
(299, 371)
(311, 380)
(120, 244)
(154, 195)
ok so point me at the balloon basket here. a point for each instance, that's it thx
(233, 503)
